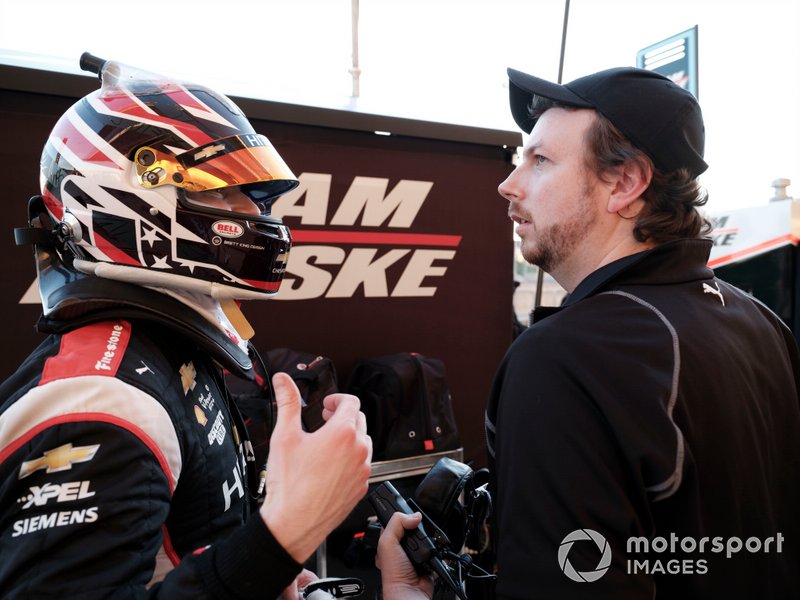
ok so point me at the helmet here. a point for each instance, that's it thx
(121, 167)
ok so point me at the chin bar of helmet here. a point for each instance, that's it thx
(148, 277)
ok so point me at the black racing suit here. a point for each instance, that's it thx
(124, 469)
(659, 409)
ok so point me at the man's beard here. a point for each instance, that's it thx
(553, 244)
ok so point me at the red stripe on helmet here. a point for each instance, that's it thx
(125, 105)
(185, 98)
(53, 204)
(114, 253)
(267, 286)
(80, 146)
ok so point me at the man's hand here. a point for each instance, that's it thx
(314, 479)
(398, 578)
(293, 591)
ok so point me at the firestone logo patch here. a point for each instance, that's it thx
(105, 362)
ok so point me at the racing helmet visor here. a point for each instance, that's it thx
(237, 160)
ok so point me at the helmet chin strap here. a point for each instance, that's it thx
(149, 277)
(224, 313)
(235, 315)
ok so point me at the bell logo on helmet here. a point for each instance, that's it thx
(228, 229)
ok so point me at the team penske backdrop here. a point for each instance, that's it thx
(400, 243)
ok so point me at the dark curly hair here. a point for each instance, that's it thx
(670, 201)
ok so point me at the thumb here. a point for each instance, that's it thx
(397, 525)
(288, 399)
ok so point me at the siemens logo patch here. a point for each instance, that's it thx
(58, 519)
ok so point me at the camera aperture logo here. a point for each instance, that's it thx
(583, 535)
(663, 555)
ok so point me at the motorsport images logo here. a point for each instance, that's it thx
(662, 555)
(583, 535)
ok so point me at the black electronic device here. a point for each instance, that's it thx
(418, 546)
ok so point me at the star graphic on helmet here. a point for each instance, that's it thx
(185, 264)
(160, 262)
(150, 236)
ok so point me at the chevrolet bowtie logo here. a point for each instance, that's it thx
(58, 459)
(209, 151)
(188, 377)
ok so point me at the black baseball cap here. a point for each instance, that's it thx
(656, 115)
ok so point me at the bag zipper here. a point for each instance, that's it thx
(427, 416)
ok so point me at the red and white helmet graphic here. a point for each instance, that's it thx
(123, 165)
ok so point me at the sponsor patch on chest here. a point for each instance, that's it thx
(96, 349)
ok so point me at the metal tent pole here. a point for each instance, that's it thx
(540, 273)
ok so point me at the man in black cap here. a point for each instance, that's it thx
(644, 438)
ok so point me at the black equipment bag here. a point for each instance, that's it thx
(314, 375)
(406, 400)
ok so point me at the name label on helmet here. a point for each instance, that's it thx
(228, 229)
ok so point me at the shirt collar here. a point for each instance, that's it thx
(670, 262)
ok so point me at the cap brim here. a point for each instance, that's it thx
(523, 87)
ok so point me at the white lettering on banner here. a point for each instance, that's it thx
(368, 195)
(721, 236)
(313, 281)
(359, 268)
(746, 232)
(316, 187)
(724, 239)
(419, 267)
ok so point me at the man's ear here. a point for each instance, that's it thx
(632, 179)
